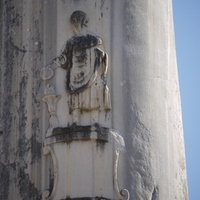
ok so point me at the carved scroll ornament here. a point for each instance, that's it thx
(123, 194)
(47, 194)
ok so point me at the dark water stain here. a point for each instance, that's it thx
(26, 187)
(21, 179)
(4, 183)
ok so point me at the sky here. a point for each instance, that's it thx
(187, 34)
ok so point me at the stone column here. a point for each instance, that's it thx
(131, 145)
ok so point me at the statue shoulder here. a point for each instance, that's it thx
(96, 40)
(84, 41)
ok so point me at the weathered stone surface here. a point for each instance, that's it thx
(142, 78)
(22, 53)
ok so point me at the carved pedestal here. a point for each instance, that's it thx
(85, 162)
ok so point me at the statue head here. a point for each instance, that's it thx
(79, 21)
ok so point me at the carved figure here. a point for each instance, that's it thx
(86, 66)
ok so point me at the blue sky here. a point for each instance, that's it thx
(187, 33)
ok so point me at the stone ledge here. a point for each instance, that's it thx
(73, 129)
(74, 133)
(87, 198)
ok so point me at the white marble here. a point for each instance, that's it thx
(138, 37)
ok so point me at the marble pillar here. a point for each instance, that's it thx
(113, 134)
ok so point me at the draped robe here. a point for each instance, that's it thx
(85, 65)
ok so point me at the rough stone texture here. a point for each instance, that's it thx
(22, 53)
(138, 37)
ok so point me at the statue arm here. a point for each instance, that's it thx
(59, 61)
(104, 63)
(104, 59)
(62, 59)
